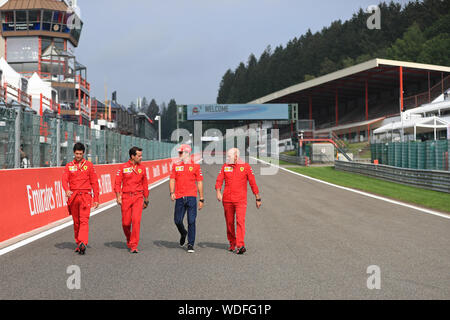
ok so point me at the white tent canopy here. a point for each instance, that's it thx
(415, 126)
(435, 107)
(36, 86)
(10, 75)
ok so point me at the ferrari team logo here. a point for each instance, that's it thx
(242, 169)
(191, 168)
(140, 171)
(85, 168)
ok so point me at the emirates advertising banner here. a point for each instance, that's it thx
(200, 112)
(36, 198)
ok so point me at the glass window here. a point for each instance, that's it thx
(34, 16)
(8, 16)
(76, 32)
(8, 21)
(47, 16)
(45, 44)
(21, 21)
(23, 49)
(45, 68)
(46, 26)
(62, 95)
(57, 17)
(30, 67)
(47, 19)
(21, 16)
(59, 44)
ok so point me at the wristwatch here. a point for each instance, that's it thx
(202, 200)
(258, 200)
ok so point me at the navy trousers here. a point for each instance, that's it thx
(183, 205)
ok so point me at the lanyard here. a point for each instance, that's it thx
(80, 166)
(134, 168)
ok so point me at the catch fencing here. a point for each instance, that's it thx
(30, 141)
(427, 155)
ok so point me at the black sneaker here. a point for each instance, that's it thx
(241, 250)
(82, 248)
(183, 239)
(190, 248)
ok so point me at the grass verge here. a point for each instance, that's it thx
(280, 162)
(422, 197)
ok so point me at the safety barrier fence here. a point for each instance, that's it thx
(427, 179)
(34, 198)
(427, 155)
(40, 138)
(303, 161)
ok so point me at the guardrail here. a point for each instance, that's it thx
(303, 161)
(427, 179)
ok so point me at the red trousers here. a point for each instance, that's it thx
(80, 209)
(235, 211)
(132, 206)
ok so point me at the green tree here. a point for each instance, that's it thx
(169, 120)
(225, 87)
(409, 47)
(436, 50)
(132, 107)
(404, 35)
(152, 110)
(327, 66)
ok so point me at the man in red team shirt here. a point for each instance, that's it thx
(131, 187)
(236, 173)
(184, 174)
(79, 178)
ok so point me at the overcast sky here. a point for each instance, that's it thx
(180, 49)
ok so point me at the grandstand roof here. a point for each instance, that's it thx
(34, 4)
(381, 74)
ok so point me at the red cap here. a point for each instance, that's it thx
(184, 148)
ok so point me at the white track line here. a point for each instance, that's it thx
(428, 211)
(62, 226)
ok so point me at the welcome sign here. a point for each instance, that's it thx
(238, 112)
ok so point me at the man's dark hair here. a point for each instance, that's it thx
(133, 151)
(79, 147)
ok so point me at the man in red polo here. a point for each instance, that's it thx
(79, 178)
(185, 178)
(131, 187)
(236, 173)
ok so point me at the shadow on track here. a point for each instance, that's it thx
(116, 244)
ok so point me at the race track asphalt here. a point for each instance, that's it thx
(308, 241)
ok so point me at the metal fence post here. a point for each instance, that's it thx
(58, 140)
(17, 137)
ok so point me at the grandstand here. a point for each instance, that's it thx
(351, 103)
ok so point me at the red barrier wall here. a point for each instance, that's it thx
(33, 198)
